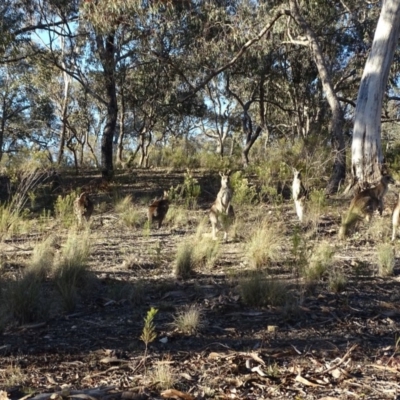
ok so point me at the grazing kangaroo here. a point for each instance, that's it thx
(299, 194)
(158, 210)
(83, 207)
(364, 204)
(396, 218)
(221, 213)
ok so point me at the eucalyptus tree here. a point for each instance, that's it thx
(366, 146)
(218, 122)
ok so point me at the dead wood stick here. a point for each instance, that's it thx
(341, 361)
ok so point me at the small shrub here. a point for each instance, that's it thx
(265, 244)
(243, 192)
(184, 260)
(149, 331)
(386, 259)
(189, 320)
(258, 291)
(188, 191)
(320, 261)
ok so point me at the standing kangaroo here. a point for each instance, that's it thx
(83, 207)
(158, 210)
(396, 218)
(299, 193)
(221, 212)
(364, 204)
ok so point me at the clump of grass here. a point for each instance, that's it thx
(257, 290)
(64, 209)
(386, 259)
(265, 244)
(189, 320)
(23, 298)
(133, 292)
(378, 229)
(12, 376)
(177, 216)
(70, 273)
(162, 375)
(206, 252)
(320, 261)
(337, 281)
(184, 260)
(128, 212)
(42, 258)
(11, 220)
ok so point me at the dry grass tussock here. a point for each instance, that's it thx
(265, 243)
(258, 290)
(184, 262)
(162, 375)
(189, 320)
(386, 259)
(320, 262)
(71, 270)
(129, 213)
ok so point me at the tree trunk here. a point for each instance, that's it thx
(107, 54)
(120, 145)
(366, 146)
(2, 129)
(249, 144)
(64, 109)
(339, 164)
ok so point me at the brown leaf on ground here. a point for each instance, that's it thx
(176, 394)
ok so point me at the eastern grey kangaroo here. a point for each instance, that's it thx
(221, 212)
(158, 210)
(83, 207)
(364, 204)
(396, 218)
(299, 194)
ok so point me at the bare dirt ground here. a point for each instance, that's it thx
(329, 346)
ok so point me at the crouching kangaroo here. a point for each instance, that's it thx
(299, 194)
(158, 210)
(364, 205)
(83, 207)
(221, 213)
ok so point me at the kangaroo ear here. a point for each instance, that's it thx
(220, 174)
(228, 172)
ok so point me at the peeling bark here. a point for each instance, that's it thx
(366, 146)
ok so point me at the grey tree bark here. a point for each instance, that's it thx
(366, 146)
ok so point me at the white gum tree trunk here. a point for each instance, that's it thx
(366, 145)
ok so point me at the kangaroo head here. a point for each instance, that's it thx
(387, 179)
(225, 178)
(296, 174)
